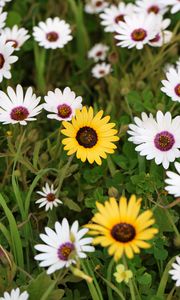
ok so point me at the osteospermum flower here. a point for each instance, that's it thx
(113, 14)
(17, 107)
(63, 247)
(18, 36)
(173, 181)
(98, 52)
(151, 6)
(175, 5)
(62, 105)
(91, 137)
(157, 138)
(175, 271)
(95, 6)
(3, 16)
(163, 36)
(6, 59)
(122, 274)
(121, 228)
(171, 86)
(101, 70)
(15, 295)
(136, 30)
(49, 199)
(53, 33)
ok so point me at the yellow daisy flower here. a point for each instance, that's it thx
(121, 228)
(91, 137)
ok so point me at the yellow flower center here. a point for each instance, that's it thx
(123, 232)
(87, 137)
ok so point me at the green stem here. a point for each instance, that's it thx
(40, 59)
(130, 283)
(109, 275)
(63, 173)
(172, 223)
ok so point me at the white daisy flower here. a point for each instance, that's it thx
(171, 86)
(63, 246)
(3, 2)
(15, 295)
(158, 138)
(98, 52)
(49, 199)
(151, 6)
(16, 35)
(53, 33)
(95, 6)
(173, 181)
(175, 5)
(6, 59)
(17, 107)
(175, 271)
(62, 105)
(3, 16)
(101, 70)
(114, 14)
(163, 36)
(137, 30)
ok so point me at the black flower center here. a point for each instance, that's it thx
(154, 9)
(19, 113)
(2, 61)
(87, 137)
(164, 141)
(52, 36)
(138, 34)
(50, 197)
(64, 111)
(15, 43)
(119, 18)
(65, 250)
(123, 232)
(177, 89)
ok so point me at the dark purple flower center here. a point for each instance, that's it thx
(154, 9)
(119, 18)
(99, 53)
(65, 250)
(2, 61)
(138, 35)
(19, 113)
(52, 36)
(156, 38)
(15, 43)
(177, 88)
(98, 3)
(87, 137)
(50, 197)
(164, 141)
(123, 232)
(64, 111)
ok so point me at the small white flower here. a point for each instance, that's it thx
(17, 107)
(137, 30)
(95, 6)
(158, 138)
(114, 14)
(53, 33)
(62, 105)
(151, 6)
(49, 197)
(63, 246)
(98, 52)
(6, 59)
(3, 16)
(3, 2)
(175, 5)
(15, 295)
(175, 271)
(101, 70)
(173, 181)
(163, 36)
(16, 35)
(171, 86)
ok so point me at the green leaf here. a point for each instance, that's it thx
(145, 279)
(71, 204)
(13, 18)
